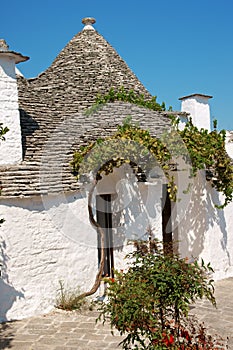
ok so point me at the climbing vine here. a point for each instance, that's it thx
(207, 151)
(3, 131)
(129, 145)
(200, 148)
(126, 96)
(130, 96)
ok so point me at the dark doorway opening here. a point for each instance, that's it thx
(166, 221)
(104, 219)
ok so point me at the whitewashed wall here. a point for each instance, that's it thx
(48, 239)
(41, 247)
(205, 231)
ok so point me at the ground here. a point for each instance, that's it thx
(61, 330)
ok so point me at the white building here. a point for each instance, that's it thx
(46, 236)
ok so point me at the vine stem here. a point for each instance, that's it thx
(100, 232)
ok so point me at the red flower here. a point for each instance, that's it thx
(185, 334)
(165, 341)
(168, 340)
(171, 339)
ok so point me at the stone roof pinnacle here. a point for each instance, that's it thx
(88, 21)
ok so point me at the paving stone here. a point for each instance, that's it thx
(97, 345)
(86, 325)
(21, 345)
(24, 337)
(5, 343)
(41, 347)
(77, 342)
(67, 348)
(50, 341)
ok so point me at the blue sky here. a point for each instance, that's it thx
(175, 47)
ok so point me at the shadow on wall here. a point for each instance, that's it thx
(222, 224)
(6, 336)
(201, 215)
(134, 206)
(29, 126)
(8, 294)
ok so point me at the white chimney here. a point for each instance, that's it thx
(197, 105)
(11, 149)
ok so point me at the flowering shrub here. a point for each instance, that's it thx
(149, 303)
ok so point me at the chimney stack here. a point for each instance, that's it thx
(11, 149)
(197, 105)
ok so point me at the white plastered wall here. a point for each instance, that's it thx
(39, 248)
(49, 239)
(11, 149)
(205, 231)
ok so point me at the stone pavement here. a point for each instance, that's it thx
(58, 330)
(219, 320)
(61, 330)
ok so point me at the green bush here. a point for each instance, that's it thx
(149, 303)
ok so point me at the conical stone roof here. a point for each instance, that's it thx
(88, 65)
(53, 118)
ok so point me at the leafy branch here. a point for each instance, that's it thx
(207, 151)
(126, 96)
(129, 145)
(3, 131)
